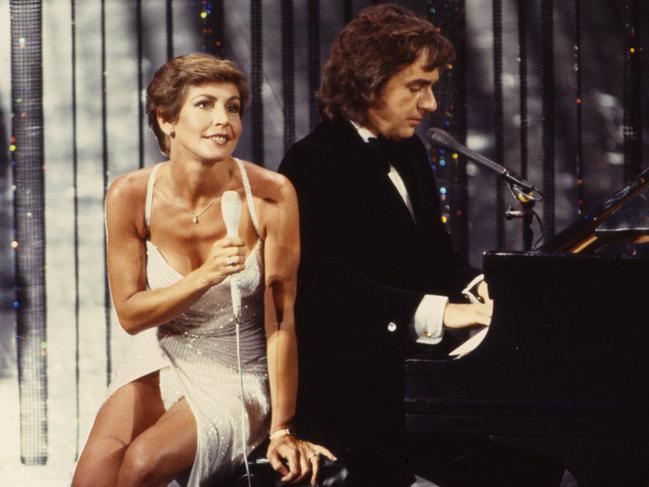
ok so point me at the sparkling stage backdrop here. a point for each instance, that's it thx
(551, 89)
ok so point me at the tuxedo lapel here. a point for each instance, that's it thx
(394, 201)
(367, 170)
(386, 192)
(408, 171)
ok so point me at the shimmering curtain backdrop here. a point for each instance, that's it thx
(553, 90)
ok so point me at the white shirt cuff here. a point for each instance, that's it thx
(428, 321)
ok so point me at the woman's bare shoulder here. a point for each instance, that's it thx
(268, 185)
(126, 200)
(129, 187)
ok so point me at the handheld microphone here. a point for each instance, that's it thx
(231, 211)
(440, 138)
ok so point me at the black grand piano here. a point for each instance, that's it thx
(564, 367)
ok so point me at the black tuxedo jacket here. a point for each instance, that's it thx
(365, 267)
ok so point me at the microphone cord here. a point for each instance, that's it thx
(236, 298)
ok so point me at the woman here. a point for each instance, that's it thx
(174, 406)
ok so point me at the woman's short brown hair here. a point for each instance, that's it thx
(378, 43)
(166, 92)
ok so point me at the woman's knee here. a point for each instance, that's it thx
(142, 464)
(99, 463)
(96, 471)
(84, 477)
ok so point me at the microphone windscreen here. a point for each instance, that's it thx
(442, 138)
(231, 211)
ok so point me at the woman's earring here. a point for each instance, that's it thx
(172, 134)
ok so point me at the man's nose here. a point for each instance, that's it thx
(428, 102)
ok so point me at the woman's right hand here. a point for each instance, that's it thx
(226, 257)
(294, 459)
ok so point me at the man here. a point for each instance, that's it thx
(377, 269)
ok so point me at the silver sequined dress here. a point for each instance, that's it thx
(196, 355)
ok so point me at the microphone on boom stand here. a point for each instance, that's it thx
(523, 190)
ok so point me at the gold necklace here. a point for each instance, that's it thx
(206, 207)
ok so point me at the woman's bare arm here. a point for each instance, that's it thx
(293, 458)
(282, 256)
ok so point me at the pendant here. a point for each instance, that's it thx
(194, 218)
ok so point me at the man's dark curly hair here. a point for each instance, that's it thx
(378, 43)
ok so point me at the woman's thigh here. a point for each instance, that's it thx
(162, 451)
(128, 412)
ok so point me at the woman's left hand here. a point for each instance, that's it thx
(294, 459)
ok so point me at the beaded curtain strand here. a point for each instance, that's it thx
(499, 124)
(106, 174)
(522, 73)
(313, 53)
(348, 10)
(256, 81)
(140, 78)
(579, 170)
(169, 21)
(288, 72)
(75, 205)
(213, 22)
(547, 81)
(450, 167)
(27, 160)
(632, 116)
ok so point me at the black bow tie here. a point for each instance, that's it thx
(385, 151)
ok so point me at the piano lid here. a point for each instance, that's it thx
(621, 219)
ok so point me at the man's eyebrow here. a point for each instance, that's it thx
(422, 81)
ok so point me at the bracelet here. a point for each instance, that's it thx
(279, 433)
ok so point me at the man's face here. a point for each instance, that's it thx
(405, 100)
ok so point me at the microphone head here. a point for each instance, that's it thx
(231, 211)
(441, 138)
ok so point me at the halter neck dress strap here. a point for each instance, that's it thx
(149, 195)
(249, 199)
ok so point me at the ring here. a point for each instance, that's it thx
(232, 260)
(314, 454)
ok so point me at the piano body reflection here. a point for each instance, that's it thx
(564, 367)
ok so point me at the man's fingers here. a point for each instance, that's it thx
(483, 291)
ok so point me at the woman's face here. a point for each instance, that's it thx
(209, 122)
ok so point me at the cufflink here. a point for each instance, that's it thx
(392, 327)
(427, 333)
